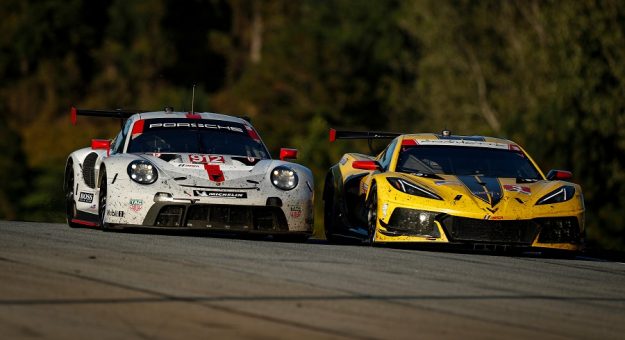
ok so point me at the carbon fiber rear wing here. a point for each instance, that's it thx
(369, 135)
(119, 113)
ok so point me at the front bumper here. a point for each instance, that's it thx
(405, 224)
(130, 205)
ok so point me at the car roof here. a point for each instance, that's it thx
(188, 115)
(458, 140)
(433, 136)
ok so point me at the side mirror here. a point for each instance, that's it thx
(559, 175)
(366, 165)
(288, 154)
(101, 144)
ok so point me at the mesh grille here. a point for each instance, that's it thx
(512, 232)
(231, 217)
(559, 230)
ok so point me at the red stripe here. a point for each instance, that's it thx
(87, 223)
(408, 142)
(214, 172)
(193, 116)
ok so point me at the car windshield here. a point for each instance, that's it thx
(462, 161)
(202, 136)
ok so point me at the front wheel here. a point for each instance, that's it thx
(70, 204)
(329, 211)
(372, 214)
(102, 201)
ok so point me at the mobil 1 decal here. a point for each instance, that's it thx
(488, 189)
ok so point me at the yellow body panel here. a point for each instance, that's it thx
(518, 201)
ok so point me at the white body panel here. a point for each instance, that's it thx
(186, 183)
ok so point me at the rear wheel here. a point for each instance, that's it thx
(102, 201)
(70, 204)
(372, 214)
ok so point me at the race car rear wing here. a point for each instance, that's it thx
(119, 114)
(369, 135)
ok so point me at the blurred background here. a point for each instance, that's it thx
(549, 75)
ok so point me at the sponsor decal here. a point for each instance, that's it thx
(136, 204)
(518, 188)
(189, 166)
(85, 197)
(204, 159)
(465, 142)
(196, 125)
(219, 194)
(363, 187)
(296, 211)
(115, 213)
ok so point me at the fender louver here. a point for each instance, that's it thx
(88, 169)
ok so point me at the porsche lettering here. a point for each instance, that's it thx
(196, 125)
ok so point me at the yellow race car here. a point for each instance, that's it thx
(483, 192)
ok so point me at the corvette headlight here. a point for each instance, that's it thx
(559, 195)
(283, 177)
(411, 188)
(142, 172)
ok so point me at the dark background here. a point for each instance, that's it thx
(547, 74)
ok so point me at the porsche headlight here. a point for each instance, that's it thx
(559, 195)
(283, 177)
(142, 172)
(411, 188)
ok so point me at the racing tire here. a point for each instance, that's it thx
(372, 214)
(70, 203)
(102, 198)
(329, 210)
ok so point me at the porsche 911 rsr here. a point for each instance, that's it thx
(187, 170)
(467, 190)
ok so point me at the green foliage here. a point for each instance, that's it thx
(545, 74)
(13, 172)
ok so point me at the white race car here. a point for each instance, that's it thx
(187, 170)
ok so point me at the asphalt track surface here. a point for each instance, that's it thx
(58, 282)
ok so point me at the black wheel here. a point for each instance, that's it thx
(329, 210)
(102, 201)
(70, 204)
(372, 213)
